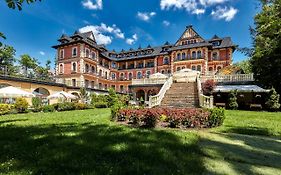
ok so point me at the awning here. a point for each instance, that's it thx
(63, 95)
(240, 88)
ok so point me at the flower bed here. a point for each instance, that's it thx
(172, 117)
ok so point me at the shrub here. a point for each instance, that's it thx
(67, 106)
(36, 102)
(21, 105)
(101, 105)
(5, 109)
(37, 109)
(149, 119)
(81, 106)
(273, 101)
(217, 116)
(48, 108)
(232, 101)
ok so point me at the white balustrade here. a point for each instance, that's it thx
(156, 100)
(229, 78)
(204, 101)
(148, 81)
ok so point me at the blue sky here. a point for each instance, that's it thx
(124, 23)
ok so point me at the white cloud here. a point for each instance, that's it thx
(132, 40)
(103, 33)
(145, 16)
(42, 53)
(224, 13)
(89, 4)
(192, 6)
(166, 23)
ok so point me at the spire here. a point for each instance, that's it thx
(149, 46)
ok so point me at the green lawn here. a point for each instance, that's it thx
(86, 142)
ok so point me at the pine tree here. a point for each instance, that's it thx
(273, 100)
(232, 101)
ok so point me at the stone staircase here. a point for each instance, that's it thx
(181, 95)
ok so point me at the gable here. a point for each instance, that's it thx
(190, 36)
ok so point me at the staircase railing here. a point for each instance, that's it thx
(156, 99)
(204, 101)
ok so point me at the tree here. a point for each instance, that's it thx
(245, 65)
(18, 3)
(7, 59)
(28, 63)
(84, 95)
(273, 101)
(266, 55)
(232, 101)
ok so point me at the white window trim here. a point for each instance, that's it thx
(89, 56)
(138, 75)
(218, 66)
(61, 71)
(92, 55)
(73, 52)
(62, 50)
(72, 66)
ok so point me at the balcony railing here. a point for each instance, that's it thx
(229, 78)
(148, 81)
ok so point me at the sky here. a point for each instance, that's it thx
(124, 24)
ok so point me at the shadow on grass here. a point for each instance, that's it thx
(249, 131)
(95, 149)
(243, 154)
(11, 121)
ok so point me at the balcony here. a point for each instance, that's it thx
(148, 81)
(229, 78)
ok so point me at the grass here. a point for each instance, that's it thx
(86, 142)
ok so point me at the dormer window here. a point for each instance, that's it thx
(166, 60)
(74, 51)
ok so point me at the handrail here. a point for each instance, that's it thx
(156, 99)
(148, 81)
(204, 101)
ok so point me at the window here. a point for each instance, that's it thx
(87, 68)
(74, 52)
(100, 73)
(93, 55)
(87, 84)
(193, 68)
(163, 72)
(74, 82)
(215, 55)
(130, 76)
(193, 55)
(183, 56)
(93, 69)
(61, 69)
(166, 60)
(87, 53)
(183, 67)
(105, 75)
(188, 55)
(199, 68)
(74, 67)
(139, 76)
(92, 84)
(62, 54)
(105, 86)
(100, 86)
(122, 76)
(113, 65)
(178, 68)
(169, 71)
(210, 69)
(199, 54)
(148, 74)
(113, 87)
(121, 88)
(178, 56)
(218, 68)
(113, 76)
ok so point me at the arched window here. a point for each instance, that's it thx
(74, 67)
(61, 68)
(210, 69)
(166, 60)
(113, 76)
(178, 68)
(122, 76)
(87, 68)
(193, 55)
(188, 55)
(148, 74)
(163, 71)
(100, 73)
(62, 53)
(199, 68)
(178, 56)
(218, 68)
(183, 56)
(93, 55)
(183, 67)
(193, 67)
(105, 75)
(130, 76)
(199, 54)
(139, 75)
(215, 55)
(74, 52)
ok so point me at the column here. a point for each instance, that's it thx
(126, 65)
(135, 64)
(155, 64)
(145, 96)
(143, 63)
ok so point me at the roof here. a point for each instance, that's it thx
(240, 88)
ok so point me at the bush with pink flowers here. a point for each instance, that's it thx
(172, 117)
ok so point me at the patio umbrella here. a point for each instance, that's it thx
(62, 94)
(12, 92)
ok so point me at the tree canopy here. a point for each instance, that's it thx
(17, 4)
(266, 55)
